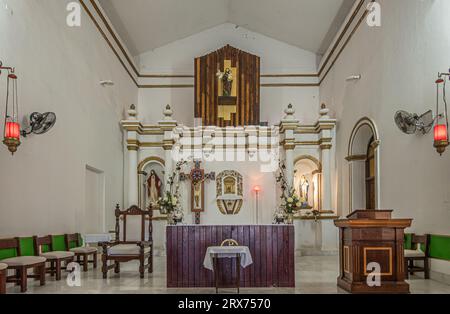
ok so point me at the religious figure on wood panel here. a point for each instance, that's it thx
(227, 81)
(153, 188)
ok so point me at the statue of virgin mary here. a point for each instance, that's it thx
(153, 188)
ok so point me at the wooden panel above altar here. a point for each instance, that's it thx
(227, 88)
(271, 246)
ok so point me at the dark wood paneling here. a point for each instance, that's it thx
(248, 87)
(272, 249)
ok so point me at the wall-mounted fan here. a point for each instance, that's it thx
(40, 123)
(411, 123)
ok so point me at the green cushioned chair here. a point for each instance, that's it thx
(44, 246)
(419, 251)
(12, 256)
(74, 244)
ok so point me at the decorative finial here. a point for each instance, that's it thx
(168, 112)
(324, 111)
(290, 111)
(132, 113)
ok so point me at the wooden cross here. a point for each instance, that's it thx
(197, 177)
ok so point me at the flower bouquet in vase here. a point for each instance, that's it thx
(290, 202)
(171, 202)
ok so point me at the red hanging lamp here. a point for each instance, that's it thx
(11, 127)
(441, 140)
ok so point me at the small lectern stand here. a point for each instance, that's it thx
(370, 239)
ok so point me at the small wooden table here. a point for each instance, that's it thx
(240, 253)
(372, 236)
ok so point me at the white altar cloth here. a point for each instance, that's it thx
(227, 252)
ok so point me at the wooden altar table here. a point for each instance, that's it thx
(271, 246)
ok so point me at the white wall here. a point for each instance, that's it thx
(398, 63)
(276, 58)
(42, 187)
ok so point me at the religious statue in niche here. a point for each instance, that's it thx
(304, 192)
(153, 188)
(227, 91)
(307, 182)
(229, 192)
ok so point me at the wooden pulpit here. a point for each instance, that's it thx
(370, 240)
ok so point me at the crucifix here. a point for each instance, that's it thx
(197, 177)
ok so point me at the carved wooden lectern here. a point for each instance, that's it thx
(371, 252)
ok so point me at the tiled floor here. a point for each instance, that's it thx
(313, 275)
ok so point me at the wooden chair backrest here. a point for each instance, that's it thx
(40, 241)
(417, 240)
(133, 211)
(12, 243)
(229, 242)
(69, 238)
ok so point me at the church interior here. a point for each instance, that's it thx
(224, 146)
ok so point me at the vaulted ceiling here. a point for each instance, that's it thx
(148, 24)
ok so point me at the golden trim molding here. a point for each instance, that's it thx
(355, 13)
(311, 158)
(389, 249)
(356, 158)
(148, 86)
(137, 143)
(341, 36)
(346, 261)
(144, 162)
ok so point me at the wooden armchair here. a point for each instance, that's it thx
(418, 255)
(82, 253)
(133, 241)
(43, 246)
(21, 264)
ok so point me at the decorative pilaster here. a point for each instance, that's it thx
(326, 126)
(288, 126)
(132, 148)
(167, 125)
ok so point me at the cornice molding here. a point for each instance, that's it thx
(134, 73)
